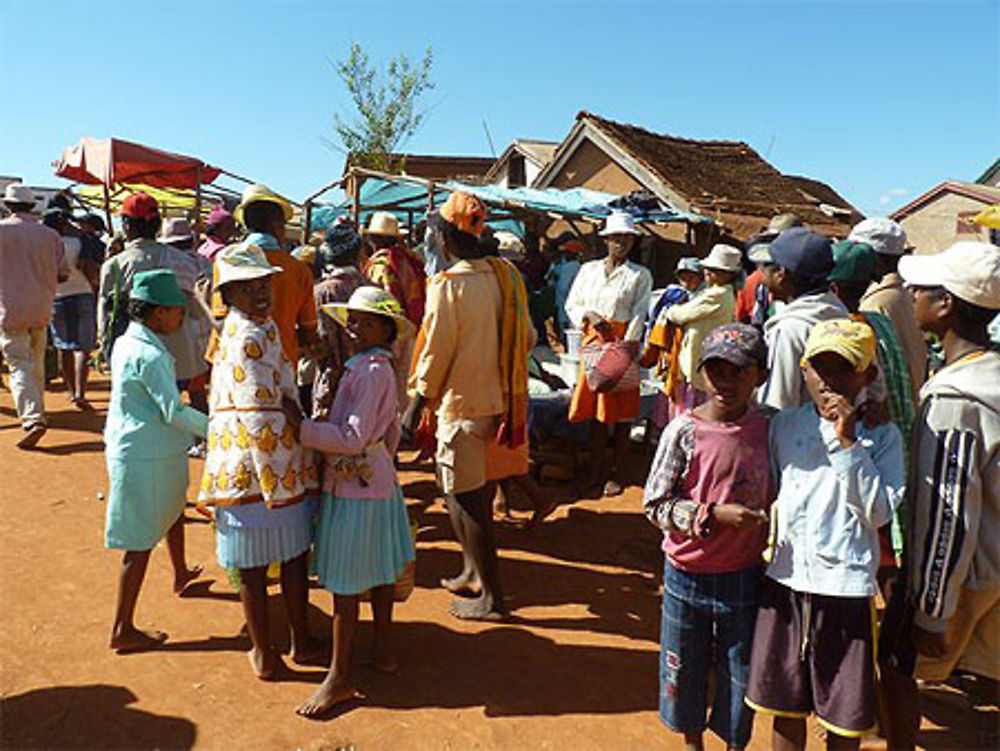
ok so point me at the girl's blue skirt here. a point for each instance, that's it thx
(361, 542)
(252, 535)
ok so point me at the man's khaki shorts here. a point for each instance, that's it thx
(461, 453)
(973, 638)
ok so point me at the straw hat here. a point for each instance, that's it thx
(384, 224)
(176, 230)
(260, 192)
(723, 258)
(619, 223)
(371, 300)
(242, 262)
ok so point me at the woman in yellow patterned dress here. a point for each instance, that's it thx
(256, 474)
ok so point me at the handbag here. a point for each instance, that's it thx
(611, 367)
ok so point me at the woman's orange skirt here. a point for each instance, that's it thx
(610, 408)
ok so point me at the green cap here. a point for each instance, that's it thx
(852, 262)
(158, 287)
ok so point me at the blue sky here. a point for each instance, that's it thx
(882, 100)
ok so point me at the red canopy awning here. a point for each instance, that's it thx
(110, 161)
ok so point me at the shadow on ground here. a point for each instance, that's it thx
(88, 717)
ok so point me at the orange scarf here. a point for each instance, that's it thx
(514, 351)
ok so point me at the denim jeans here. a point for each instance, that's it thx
(707, 628)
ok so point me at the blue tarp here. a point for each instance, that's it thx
(401, 197)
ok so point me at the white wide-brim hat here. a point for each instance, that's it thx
(969, 270)
(619, 223)
(371, 300)
(176, 230)
(383, 223)
(18, 193)
(724, 258)
(242, 262)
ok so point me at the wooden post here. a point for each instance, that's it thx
(197, 209)
(688, 237)
(356, 201)
(107, 208)
(430, 197)
(307, 211)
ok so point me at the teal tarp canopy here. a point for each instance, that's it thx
(402, 197)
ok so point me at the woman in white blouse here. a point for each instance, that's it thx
(609, 300)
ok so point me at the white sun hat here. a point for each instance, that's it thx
(619, 223)
(18, 193)
(175, 230)
(371, 300)
(242, 262)
(723, 258)
(969, 270)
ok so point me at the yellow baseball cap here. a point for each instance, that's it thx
(852, 340)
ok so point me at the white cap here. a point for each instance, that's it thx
(968, 270)
(884, 235)
(18, 193)
(242, 262)
(619, 223)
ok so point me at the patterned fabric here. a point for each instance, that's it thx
(400, 272)
(333, 343)
(892, 358)
(515, 346)
(253, 454)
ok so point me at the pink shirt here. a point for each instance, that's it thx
(364, 415)
(728, 464)
(209, 248)
(31, 262)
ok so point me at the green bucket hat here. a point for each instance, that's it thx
(158, 287)
(852, 262)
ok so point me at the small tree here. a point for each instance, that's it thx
(386, 106)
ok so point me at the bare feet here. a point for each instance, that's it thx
(466, 583)
(311, 652)
(132, 639)
(540, 513)
(81, 404)
(480, 609)
(265, 664)
(327, 696)
(186, 577)
(384, 661)
(31, 437)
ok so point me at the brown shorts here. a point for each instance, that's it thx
(973, 638)
(814, 653)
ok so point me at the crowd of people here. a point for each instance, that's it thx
(830, 432)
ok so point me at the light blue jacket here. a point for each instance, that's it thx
(146, 417)
(831, 502)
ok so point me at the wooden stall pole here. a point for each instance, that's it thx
(356, 201)
(107, 208)
(307, 211)
(430, 197)
(198, 226)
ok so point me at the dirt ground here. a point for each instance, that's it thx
(575, 668)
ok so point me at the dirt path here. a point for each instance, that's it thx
(575, 669)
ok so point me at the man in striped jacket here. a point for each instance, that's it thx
(945, 614)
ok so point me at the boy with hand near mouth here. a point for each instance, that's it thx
(838, 482)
